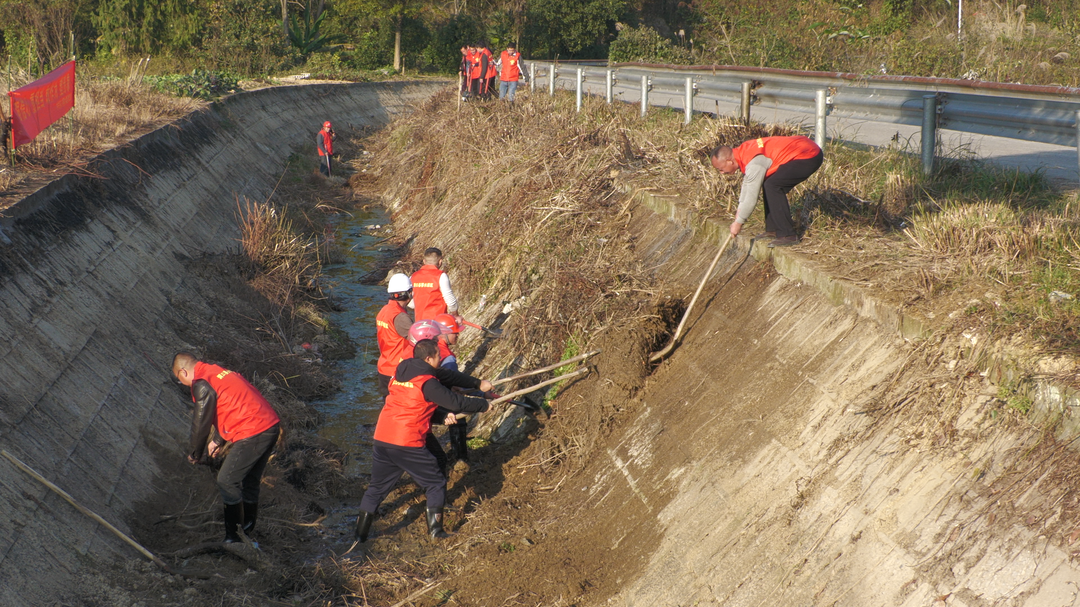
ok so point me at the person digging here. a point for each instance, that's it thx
(392, 325)
(324, 142)
(247, 425)
(417, 388)
(458, 430)
(432, 294)
(775, 165)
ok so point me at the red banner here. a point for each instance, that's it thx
(42, 102)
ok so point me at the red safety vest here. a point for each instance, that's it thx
(444, 350)
(427, 297)
(391, 345)
(511, 71)
(474, 62)
(242, 412)
(406, 417)
(778, 149)
(328, 143)
(466, 63)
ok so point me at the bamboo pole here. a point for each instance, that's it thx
(86, 511)
(547, 368)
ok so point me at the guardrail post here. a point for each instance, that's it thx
(644, 95)
(689, 102)
(609, 85)
(929, 132)
(580, 78)
(532, 77)
(744, 106)
(1078, 138)
(819, 123)
(553, 72)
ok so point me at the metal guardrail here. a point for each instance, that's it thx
(1031, 113)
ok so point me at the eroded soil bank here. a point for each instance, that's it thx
(791, 450)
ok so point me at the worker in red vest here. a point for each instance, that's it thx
(324, 141)
(511, 71)
(775, 164)
(465, 70)
(459, 430)
(490, 74)
(431, 288)
(418, 387)
(477, 69)
(392, 325)
(246, 424)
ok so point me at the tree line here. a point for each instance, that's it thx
(251, 37)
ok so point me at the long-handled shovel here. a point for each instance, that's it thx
(547, 368)
(494, 333)
(678, 331)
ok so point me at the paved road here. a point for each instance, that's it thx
(1059, 163)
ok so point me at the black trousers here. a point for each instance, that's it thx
(776, 188)
(241, 472)
(387, 465)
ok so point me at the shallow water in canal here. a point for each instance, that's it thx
(350, 415)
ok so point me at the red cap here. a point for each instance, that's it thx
(326, 125)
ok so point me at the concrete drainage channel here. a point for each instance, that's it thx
(87, 270)
(753, 468)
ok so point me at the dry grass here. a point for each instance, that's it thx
(289, 262)
(935, 244)
(107, 113)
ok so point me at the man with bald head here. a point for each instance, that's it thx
(775, 165)
(245, 422)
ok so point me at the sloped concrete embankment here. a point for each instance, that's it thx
(764, 464)
(88, 265)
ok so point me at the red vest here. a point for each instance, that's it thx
(444, 350)
(427, 297)
(466, 62)
(328, 143)
(491, 64)
(406, 417)
(474, 62)
(778, 149)
(242, 412)
(511, 71)
(391, 345)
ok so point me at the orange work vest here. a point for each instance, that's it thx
(491, 64)
(444, 350)
(406, 417)
(391, 345)
(778, 149)
(427, 297)
(474, 61)
(511, 71)
(242, 412)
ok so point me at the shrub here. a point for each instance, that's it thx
(200, 84)
(644, 44)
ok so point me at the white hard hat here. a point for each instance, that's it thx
(399, 283)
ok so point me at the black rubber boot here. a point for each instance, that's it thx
(434, 524)
(363, 525)
(234, 516)
(251, 512)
